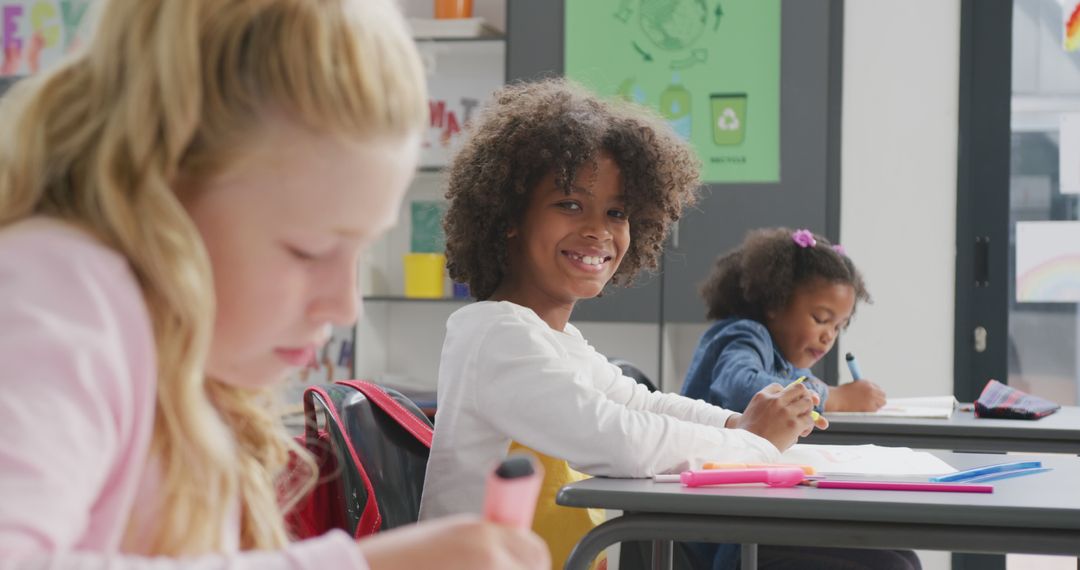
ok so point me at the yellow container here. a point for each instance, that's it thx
(424, 275)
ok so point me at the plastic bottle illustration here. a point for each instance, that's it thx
(629, 90)
(675, 106)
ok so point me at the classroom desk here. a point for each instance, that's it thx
(1057, 433)
(1037, 514)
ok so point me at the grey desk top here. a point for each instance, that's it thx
(1056, 433)
(1049, 500)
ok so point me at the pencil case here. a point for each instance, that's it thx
(1000, 401)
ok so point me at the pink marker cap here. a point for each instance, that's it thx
(512, 491)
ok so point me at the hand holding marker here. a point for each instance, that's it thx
(813, 413)
(853, 366)
(861, 395)
(512, 490)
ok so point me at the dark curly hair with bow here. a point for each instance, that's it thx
(761, 274)
(555, 126)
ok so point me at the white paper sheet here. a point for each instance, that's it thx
(866, 460)
(933, 407)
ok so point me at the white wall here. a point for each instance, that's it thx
(898, 192)
(898, 187)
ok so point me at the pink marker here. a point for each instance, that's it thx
(512, 490)
(771, 476)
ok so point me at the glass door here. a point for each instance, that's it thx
(1043, 349)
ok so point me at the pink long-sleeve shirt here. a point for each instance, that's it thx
(77, 387)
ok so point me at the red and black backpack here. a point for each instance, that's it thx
(371, 445)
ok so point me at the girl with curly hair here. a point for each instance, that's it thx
(182, 206)
(780, 300)
(555, 194)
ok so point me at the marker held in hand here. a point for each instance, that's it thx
(512, 490)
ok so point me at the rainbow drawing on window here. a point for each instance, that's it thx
(1053, 280)
(1047, 262)
(1072, 29)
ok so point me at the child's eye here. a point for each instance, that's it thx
(617, 214)
(819, 320)
(301, 254)
(569, 205)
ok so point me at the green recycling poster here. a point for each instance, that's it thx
(710, 67)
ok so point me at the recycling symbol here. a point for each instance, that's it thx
(728, 120)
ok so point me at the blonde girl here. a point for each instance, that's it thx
(182, 207)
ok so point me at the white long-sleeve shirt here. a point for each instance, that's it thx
(78, 382)
(506, 375)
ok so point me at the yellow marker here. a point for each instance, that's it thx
(813, 414)
(807, 469)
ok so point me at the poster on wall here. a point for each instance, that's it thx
(1048, 262)
(36, 34)
(1071, 12)
(461, 75)
(710, 67)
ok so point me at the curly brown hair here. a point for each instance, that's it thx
(555, 126)
(761, 274)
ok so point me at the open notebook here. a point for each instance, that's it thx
(866, 460)
(940, 407)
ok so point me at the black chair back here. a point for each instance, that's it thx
(629, 369)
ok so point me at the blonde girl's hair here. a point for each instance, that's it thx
(168, 89)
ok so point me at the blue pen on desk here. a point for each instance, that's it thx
(853, 366)
(1007, 475)
(980, 472)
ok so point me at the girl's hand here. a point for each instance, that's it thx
(779, 414)
(820, 423)
(456, 543)
(857, 396)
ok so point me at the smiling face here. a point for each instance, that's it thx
(285, 225)
(806, 329)
(568, 247)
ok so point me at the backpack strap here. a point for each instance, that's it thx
(414, 425)
(370, 519)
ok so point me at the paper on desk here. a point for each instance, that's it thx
(940, 407)
(865, 460)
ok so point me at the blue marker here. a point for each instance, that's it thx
(1007, 475)
(981, 472)
(853, 366)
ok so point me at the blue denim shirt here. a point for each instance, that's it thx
(735, 359)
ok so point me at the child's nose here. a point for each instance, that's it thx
(596, 227)
(343, 307)
(339, 302)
